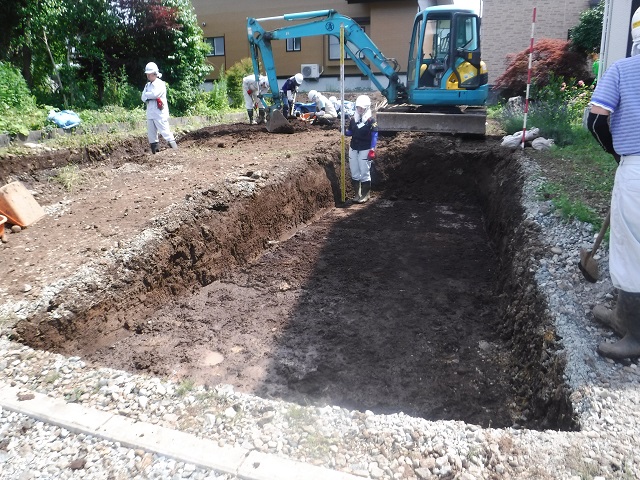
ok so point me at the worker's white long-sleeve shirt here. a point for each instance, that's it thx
(152, 91)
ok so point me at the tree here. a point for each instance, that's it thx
(92, 41)
(586, 36)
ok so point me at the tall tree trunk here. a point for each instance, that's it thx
(27, 58)
(55, 68)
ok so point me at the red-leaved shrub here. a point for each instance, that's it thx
(551, 57)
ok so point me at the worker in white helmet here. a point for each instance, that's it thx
(325, 112)
(289, 90)
(613, 120)
(253, 90)
(336, 104)
(155, 97)
(363, 130)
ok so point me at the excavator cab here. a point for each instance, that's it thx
(444, 66)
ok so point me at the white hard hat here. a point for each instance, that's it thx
(333, 99)
(635, 26)
(263, 81)
(312, 94)
(151, 68)
(363, 101)
(298, 78)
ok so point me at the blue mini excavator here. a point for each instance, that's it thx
(446, 81)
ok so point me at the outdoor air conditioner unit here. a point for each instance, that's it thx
(310, 70)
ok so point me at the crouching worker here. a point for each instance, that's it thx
(363, 131)
(155, 97)
(613, 121)
(289, 91)
(325, 111)
(251, 88)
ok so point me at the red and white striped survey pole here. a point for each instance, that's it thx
(526, 99)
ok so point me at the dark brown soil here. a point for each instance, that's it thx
(262, 279)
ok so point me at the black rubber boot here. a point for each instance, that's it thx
(250, 113)
(609, 318)
(366, 189)
(356, 189)
(261, 116)
(154, 147)
(628, 311)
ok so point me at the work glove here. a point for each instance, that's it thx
(159, 103)
(255, 105)
(249, 91)
(372, 154)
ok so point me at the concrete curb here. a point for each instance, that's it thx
(180, 446)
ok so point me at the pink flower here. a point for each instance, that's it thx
(580, 83)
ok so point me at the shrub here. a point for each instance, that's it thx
(18, 110)
(14, 91)
(120, 93)
(234, 75)
(551, 58)
(586, 36)
(218, 97)
(183, 99)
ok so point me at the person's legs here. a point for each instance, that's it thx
(365, 175)
(165, 131)
(359, 165)
(354, 168)
(624, 261)
(248, 104)
(152, 135)
(628, 310)
(624, 243)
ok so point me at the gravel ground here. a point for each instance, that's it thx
(371, 446)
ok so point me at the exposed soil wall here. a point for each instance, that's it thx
(208, 233)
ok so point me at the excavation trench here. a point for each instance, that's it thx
(421, 301)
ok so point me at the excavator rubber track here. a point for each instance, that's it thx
(452, 120)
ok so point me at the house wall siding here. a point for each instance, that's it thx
(506, 27)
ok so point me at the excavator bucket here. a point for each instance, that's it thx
(277, 123)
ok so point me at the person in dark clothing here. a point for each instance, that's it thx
(289, 88)
(363, 130)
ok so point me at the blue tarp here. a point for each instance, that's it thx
(64, 118)
(304, 107)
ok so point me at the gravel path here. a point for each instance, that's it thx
(363, 444)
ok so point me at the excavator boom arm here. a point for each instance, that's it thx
(323, 22)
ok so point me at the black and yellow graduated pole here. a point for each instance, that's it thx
(343, 187)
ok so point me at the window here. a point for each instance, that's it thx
(334, 48)
(466, 39)
(293, 44)
(217, 46)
